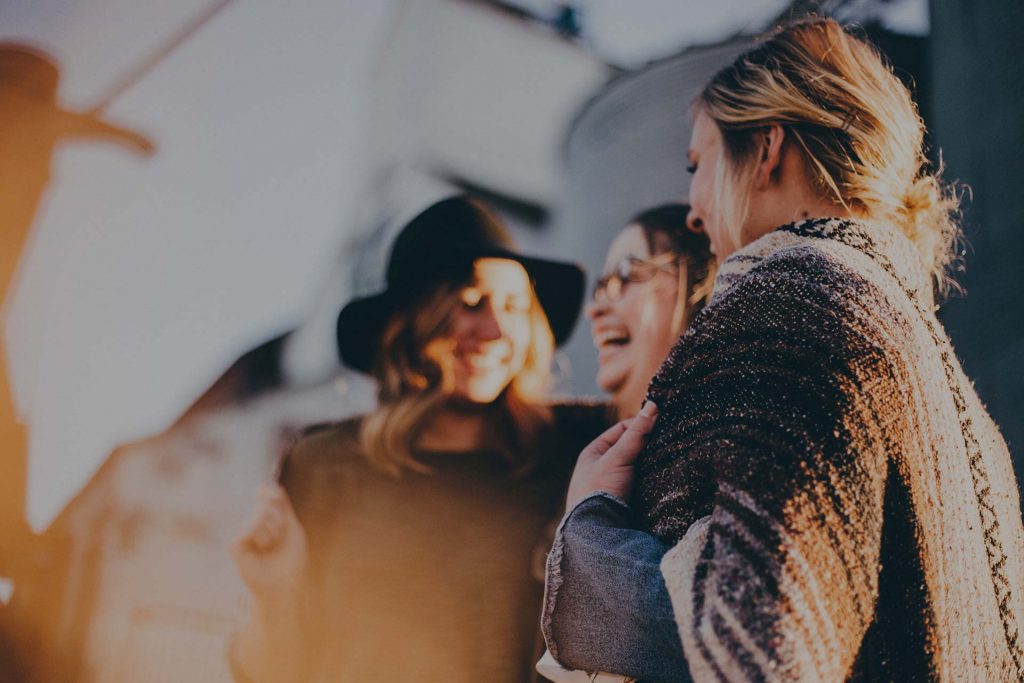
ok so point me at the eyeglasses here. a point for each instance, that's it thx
(612, 285)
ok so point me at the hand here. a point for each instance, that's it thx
(607, 463)
(272, 553)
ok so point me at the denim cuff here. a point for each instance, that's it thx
(608, 507)
(606, 607)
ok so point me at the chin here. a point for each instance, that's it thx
(611, 380)
(483, 391)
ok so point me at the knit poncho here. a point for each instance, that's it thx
(841, 505)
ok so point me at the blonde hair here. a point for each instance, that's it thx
(414, 372)
(855, 123)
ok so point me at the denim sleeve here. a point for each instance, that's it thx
(606, 607)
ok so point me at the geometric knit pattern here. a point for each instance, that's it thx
(840, 503)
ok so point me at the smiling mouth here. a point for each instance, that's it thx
(611, 338)
(479, 363)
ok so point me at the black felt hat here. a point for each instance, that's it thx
(440, 245)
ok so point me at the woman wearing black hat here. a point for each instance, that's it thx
(403, 545)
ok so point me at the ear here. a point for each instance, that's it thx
(769, 160)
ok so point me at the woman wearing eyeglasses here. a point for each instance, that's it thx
(657, 276)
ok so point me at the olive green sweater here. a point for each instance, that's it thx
(429, 577)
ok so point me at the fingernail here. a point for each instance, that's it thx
(649, 409)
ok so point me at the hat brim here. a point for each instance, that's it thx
(70, 124)
(559, 287)
(359, 329)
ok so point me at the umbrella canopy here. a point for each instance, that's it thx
(144, 278)
(282, 132)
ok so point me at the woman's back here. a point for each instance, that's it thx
(429, 577)
(856, 487)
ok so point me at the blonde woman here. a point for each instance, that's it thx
(824, 494)
(402, 545)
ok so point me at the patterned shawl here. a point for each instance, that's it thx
(841, 505)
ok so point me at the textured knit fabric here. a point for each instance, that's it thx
(842, 507)
(429, 577)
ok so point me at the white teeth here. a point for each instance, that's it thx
(611, 337)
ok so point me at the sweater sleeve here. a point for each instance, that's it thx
(788, 405)
(605, 603)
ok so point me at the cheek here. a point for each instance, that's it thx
(655, 320)
(518, 333)
(700, 193)
(631, 311)
(520, 347)
(458, 328)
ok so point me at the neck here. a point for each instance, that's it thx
(456, 427)
(628, 399)
(792, 194)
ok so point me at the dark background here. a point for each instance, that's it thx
(976, 108)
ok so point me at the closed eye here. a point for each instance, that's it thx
(517, 305)
(472, 298)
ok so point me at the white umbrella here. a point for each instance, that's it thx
(144, 279)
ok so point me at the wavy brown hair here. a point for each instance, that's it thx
(414, 372)
(855, 123)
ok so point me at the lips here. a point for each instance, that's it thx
(483, 362)
(611, 337)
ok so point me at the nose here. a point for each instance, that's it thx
(694, 222)
(596, 307)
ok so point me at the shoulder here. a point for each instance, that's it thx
(824, 268)
(323, 472)
(327, 440)
(805, 293)
(800, 317)
(322, 452)
(329, 435)
(806, 269)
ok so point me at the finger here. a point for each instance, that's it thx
(278, 519)
(606, 440)
(625, 450)
(256, 540)
(273, 493)
(266, 522)
(252, 541)
(643, 422)
(254, 525)
(268, 533)
(282, 502)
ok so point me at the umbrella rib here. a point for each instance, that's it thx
(137, 73)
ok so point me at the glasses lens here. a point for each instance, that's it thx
(632, 269)
(609, 286)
